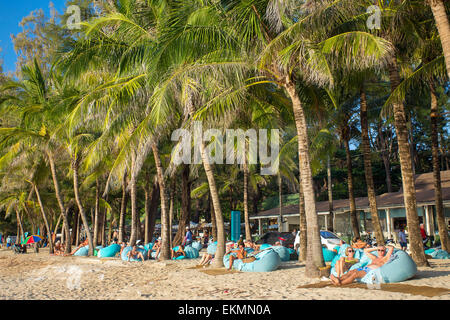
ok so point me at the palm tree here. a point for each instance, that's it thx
(438, 7)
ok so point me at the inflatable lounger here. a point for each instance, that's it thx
(283, 252)
(109, 251)
(191, 253)
(440, 254)
(128, 249)
(400, 267)
(266, 261)
(197, 245)
(212, 247)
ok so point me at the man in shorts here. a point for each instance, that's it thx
(402, 239)
(377, 261)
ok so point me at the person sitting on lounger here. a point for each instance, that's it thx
(157, 247)
(252, 245)
(241, 253)
(177, 253)
(345, 263)
(135, 254)
(377, 261)
(206, 259)
(59, 249)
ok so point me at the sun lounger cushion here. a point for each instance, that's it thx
(191, 252)
(264, 246)
(266, 261)
(400, 267)
(149, 246)
(128, 249)
(197, 245)
(283, 252)
(328, 255)
(109, 251)
(440, 254)
(82, 252)
(212, 247)
(430, 251)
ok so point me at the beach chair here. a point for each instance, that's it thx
(18, 249)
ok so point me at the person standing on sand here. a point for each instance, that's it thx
(402, 239)
(188, 238)
(377, 261)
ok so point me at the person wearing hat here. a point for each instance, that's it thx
(188, 238)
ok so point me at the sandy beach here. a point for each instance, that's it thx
(40, 276)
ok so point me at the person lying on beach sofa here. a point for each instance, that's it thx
(135, 254)
(241, 254)
(377, 262)
(178, 252)
(83, 244)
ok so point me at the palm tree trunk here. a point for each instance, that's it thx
(404, 153)
(171, 208)
(280, 202)
(213, 217)
(248, 233)
(185, 205)
(303, 249)
(147, 237)
(330, 216)
(368, 169)
(351, 194)
(123, 209)
(75, 228)
(75, 164)
(133, 198)
(68, 247)
(443, 25)
(44, 216)
(20, 226)
(443, 234)
(314, 257)
(165, 232)
(153, 210)
(97, 212)
(220, 252)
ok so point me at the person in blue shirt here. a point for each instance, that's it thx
(188, 238)
(402, 239)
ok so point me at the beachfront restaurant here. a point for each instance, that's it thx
(390, 206)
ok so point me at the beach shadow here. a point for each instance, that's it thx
(430, 274)
(218, 271)
(291, 266)
(426, 291)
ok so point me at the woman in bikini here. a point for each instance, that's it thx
(345, 263)
(241, 254)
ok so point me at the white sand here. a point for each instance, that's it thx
(40, 276)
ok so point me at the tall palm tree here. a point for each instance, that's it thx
(438, 7)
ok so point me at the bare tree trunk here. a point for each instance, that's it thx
(409, 190)
(315, 256)
(153, 209)
(75, 164)
(213, 218)
(443, 234)
(368, 169)
(443, 25)
(123, 208)
(44, 216)
(165, 250)
(171, 208)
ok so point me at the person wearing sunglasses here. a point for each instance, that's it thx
(377, 261)
(345, 263)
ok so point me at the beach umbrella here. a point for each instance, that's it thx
(31, 239)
